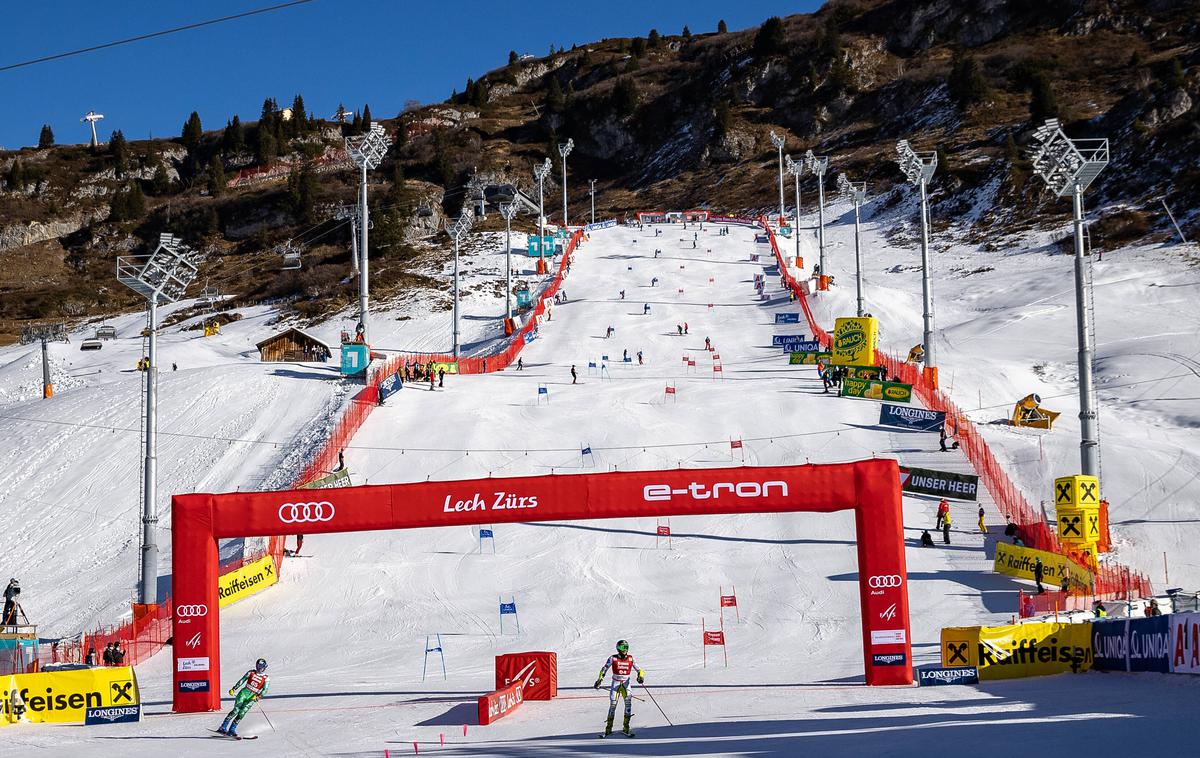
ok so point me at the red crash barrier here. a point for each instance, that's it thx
(538, 670)
(500, 703)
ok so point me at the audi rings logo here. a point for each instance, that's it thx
(190, 611)
(883, 581)
(306, 513)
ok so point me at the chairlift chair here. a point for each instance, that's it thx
(291, 259)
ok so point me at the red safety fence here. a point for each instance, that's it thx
(1110, 579)
(149, 630)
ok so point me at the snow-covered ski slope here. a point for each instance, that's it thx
(345, 628)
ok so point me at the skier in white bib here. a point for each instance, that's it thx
(623, 667)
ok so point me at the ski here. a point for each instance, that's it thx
(219, 733)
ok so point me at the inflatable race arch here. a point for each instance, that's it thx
(870, 488)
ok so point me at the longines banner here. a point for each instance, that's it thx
(903, 417)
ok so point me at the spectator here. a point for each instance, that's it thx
(942, 440)
(1010, 529)
(108, 654)
(625, 355)
(441, 377)
(943, 510)
(1039, 572)
(574, 376)
(432, 377)
(639, 357)
(645, 308)
(1099, 610)
(174, 366)
(90, 658)
(1153, 609)
(118, 654)
(946, 528)
(685, 327)
(341, 459)
(707, 344)
(926, 539)
(520, 364)
(11, 592)
(982, 526)
(679, 328)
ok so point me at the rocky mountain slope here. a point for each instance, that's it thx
(665, 120)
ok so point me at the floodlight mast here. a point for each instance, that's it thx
(593, 193)
(817, 165)
(796, 169)
(1068, 167)
(456, 231)
(367, 153)
(508, 210)
(162, 277)
(918, 168)
(856, 191)
(564, 149)
(540, 173)
(779, 142)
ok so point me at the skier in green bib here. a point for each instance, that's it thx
(623, 668)
(251, 688)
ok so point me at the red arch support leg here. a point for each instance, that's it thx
(871, 488)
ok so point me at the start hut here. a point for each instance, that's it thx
(294, 346)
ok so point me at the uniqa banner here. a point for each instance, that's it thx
(81, 696)
(249, 579)
(1019, 562)
(873, 389)
(782, 339)
(1185, 643)
(808, 359)
(854, 341)
(802, 346)
(921, 481)
(1019, 650)
(1141, 644)
(918, 419)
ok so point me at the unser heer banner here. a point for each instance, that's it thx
(246, 581)
(921, 481)
(91, 696)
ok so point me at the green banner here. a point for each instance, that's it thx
(863, 372)
(873, 389)
(808, 359)
(339, 478)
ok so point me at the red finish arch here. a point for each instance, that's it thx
(870, 488)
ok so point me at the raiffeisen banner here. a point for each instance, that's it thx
(246, 581)
(82, 696)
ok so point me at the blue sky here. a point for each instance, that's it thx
(383, 52)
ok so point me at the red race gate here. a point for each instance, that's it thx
(870, 488)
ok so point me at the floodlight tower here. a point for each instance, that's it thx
(856, 191)
(92, 117)
(817, 165)
(796, 169)
(564, 149)
(456, 230)
(778, 142)
(1068, 167)
(367, 152)
(918, 168)
(593, 193)
(540, 173)
(508, 210)
(162, 278)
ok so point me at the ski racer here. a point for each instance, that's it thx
(251, 688)
(623, 667)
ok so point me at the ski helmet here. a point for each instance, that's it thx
(622, 647)
(260, 665)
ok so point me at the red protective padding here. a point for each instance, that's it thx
(500, 703)
(538, 671)
(871, 488)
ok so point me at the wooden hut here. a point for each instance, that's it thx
(294, 346)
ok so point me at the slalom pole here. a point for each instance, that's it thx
(656, 705)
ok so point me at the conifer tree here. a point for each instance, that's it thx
(46, 138)
(192, 132)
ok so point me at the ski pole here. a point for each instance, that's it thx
(656, 705)
(268, 718)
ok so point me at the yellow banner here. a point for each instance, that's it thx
(249, 579)
(854, 341)
(1017, 561)
(1019, 650)
(92, 696)
(447, 366)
